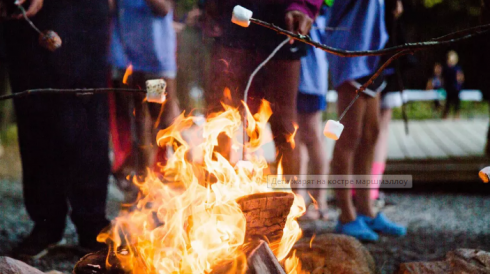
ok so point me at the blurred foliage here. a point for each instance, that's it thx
(9, 135)
(183, 6)
(431, 3)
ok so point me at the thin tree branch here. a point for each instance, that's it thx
(79, 91)
(440, 41)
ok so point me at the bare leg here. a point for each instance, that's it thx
(282, 95)
(345, 148)
(310, 134)
(365, 154)
(381, 149)
(230, 68)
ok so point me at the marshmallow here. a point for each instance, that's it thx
(241, 16)
(333, 129)
(155, 91)
(485, 174)
(50, 40)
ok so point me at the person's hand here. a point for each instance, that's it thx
(34, 7)
(298, 22)
(398, 10)
(160, 7)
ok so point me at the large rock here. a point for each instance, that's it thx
(12, 266)
(334, 253)
(468, 261)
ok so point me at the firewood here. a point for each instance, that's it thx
(266, 214)
(261, 260)
(96, 263)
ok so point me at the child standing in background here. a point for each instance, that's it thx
(143, 37)
(354, 151)
(312, 93)
(453, 79)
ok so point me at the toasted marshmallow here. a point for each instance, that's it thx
(50, 40)
(485, 174)
(333, 129)
(241, 16)
(155, 91)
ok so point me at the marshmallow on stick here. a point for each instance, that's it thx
(155, 91)
(241, 16)
(485, 174)
(333, 129)
(50, 40)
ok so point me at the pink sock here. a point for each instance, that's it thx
(377, 174)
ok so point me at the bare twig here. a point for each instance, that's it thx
(28, 20)
(78, 91)
(440, 41)
(370, 81)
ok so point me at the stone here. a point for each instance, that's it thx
(438, 267)
(12, 266)
(334, 253)
(467, 261)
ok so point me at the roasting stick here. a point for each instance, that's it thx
(245, 95)
(241, 16)
(333, 129)
(155, 91)
(27, 19)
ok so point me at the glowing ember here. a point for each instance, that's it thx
(193, 223)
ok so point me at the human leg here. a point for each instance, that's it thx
(364, 154)
(88, 169)
(311, 136)
(381, 148)
(282, 95)
(346, 146)
(230, 69)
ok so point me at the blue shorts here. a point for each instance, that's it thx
(311, 103)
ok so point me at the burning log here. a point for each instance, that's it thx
(266, 214)
(261, 260)
(108, 262)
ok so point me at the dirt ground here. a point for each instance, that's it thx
(439, 219)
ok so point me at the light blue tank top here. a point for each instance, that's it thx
(140, 38)
(362, 28)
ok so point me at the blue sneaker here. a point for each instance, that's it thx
(383, 225)
(357, 229)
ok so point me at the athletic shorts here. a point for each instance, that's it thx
(311, 103)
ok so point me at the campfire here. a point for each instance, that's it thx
(205, 217)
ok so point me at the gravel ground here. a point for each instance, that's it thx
(437, 223)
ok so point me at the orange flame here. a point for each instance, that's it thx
(290, 138)
(315, 203)
(127, 73)
(293, 265)
(190, 222)
(312, 239)
(227, 94)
